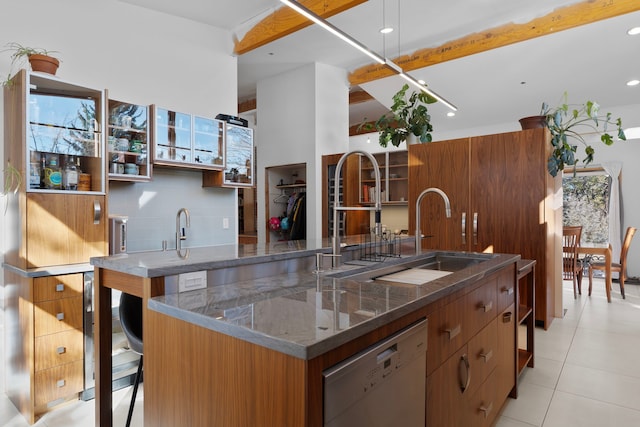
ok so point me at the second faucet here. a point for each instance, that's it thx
(180, 232)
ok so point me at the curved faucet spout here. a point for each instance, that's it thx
(447, 207)
(180, 234)
(337, 207)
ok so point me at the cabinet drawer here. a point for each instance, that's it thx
(58, 382)
(58, 349)
(56, 287)
(483, 405)
(55, 316)
(481, 307)
(506, 289)
(446, 333)
(483, 354)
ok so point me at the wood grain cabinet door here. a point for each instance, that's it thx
(65, 228)
(443, 165)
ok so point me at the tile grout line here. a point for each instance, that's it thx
(564, 361)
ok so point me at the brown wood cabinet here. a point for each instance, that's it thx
(52, 230)
(469, 387)
(45, 341)
(503, 200)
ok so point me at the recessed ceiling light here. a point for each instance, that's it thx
(633, 82)
(451, 114)
(634, 31)
(386, 30)
(422, 82)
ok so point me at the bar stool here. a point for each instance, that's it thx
(131, 320)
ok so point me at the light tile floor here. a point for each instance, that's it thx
(586, 373)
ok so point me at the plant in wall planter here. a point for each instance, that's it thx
(568, 123)
(40, 59)
(408, 118)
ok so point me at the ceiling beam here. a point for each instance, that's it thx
(575, 15)
(285, 21)
(355, 97)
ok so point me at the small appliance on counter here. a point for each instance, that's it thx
(118, 234)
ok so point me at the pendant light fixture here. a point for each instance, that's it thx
(364, 49)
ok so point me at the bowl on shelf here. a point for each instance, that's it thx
(131, 169)
(122, 144)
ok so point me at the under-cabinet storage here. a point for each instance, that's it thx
(128, 142)
(188, 141)
(471, 357)
(44, 340)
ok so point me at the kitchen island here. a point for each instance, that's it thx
(250, 348)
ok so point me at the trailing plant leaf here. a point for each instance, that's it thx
(407, 116)
(567, 122)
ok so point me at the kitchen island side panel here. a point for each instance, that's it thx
(198, 377)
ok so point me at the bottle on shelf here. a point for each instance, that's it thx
(52, 173)
(70, 174)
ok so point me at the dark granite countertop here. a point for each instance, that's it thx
(305, 314)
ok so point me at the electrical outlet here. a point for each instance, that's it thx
(225, 223)
(191, 281)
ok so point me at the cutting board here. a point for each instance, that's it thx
(414, 276)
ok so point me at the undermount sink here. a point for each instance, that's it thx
(419, 271)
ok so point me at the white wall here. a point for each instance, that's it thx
(302, 115)
(143, 57)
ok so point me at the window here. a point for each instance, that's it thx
(586, 203)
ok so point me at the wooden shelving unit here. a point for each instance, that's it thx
(525, 298)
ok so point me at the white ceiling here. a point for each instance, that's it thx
(590, 62)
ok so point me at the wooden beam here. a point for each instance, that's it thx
(564, 18)
(248, 105)
(359, 96)
(285, 21)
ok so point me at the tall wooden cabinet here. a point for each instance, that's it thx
(503, 200)
(54, 222)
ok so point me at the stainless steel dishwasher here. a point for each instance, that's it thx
(384, 385)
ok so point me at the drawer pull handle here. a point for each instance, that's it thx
(60, 287)
(61, 350)
(60, 383)
(487, 356)
(464, 363)
(60, 316)
(509, 291)
(487, 409)
(453, 332)
(506, 318)
(487, 307)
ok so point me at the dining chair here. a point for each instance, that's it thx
(619, 267)
(571, 265)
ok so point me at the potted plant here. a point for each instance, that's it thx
(408, 116)
(40, 59)
(569, 122)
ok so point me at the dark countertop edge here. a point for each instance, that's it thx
(116, 263)
(55, 270)
(308, 352)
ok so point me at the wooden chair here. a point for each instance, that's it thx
(571, 265)
(620, 267)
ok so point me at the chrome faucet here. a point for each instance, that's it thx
(377, 205)
(180, 233)
(447, 207)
